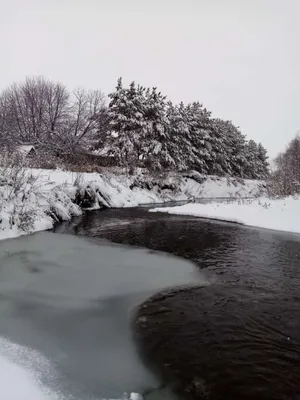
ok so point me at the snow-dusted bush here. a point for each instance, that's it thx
(196, 176)
(17, 187)
(26, 200)
(90, 196)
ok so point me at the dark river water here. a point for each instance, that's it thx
(71, 295)
(224, 252)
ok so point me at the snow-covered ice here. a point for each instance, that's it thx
(21, 373)
(279, 214)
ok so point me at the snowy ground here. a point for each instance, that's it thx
(21, 375)
(281, 214)
(37, 198)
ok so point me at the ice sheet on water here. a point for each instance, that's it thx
(21, 373)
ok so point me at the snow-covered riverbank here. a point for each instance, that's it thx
(22, 371)
(281, 214)
(41, 197)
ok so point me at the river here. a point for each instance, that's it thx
(70, 294)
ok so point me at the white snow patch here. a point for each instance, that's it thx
(21, 370)
(21, 373)
(135, 396)
(279, 214)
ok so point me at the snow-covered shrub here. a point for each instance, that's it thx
(17, 186)
(60, 206)
(26, 198)
(160, 182)
(79, 179)
(196, 176)
(89, 196)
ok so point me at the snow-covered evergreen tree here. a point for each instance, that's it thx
(251, 166)
(256, 161)
(199, 136)
(145, 129)
(157, 132)
(235, 144)
(222, 163)
(126, 123)
(263, 163)
(179, 144)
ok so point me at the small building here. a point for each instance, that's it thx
(26, 151)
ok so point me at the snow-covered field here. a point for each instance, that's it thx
(37, 198)
(280, 214)
(22, 371)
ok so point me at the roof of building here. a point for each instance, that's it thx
(25, 149)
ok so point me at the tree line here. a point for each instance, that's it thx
(134, 126)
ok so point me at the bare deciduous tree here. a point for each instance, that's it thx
(43, 113)
(30, 110)
(86, 109)
(83, 122)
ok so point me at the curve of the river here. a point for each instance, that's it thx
(238, 338)
(71, 298)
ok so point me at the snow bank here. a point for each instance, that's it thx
(40, 197)
(281, 214)
(21, 373)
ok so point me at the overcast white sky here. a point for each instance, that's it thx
(240, 58)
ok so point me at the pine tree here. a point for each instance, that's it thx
(256, 161)
(126, 123)
(199, 136)
(144, 129)
(252, 167)
(179, 145)
(235, 144)
(222, 164)
(157, 132)
(263, 166)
